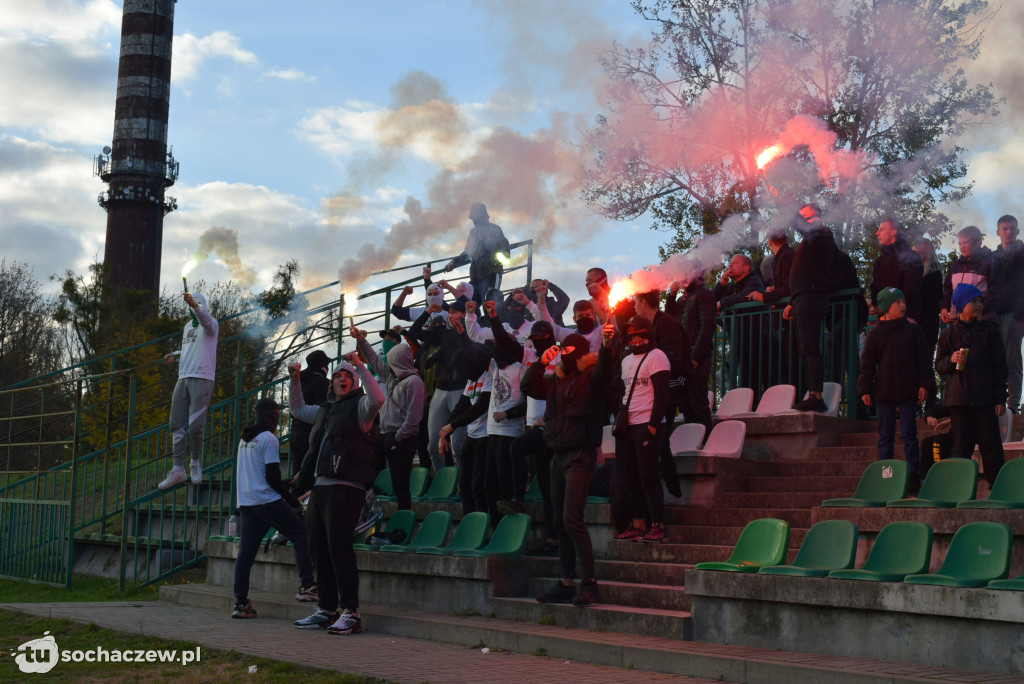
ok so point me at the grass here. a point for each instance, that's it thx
(215, 667)
(88, 588)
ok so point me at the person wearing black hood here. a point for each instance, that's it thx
(339, 467)
(697, 314)
(314, 392)
(646, 371)
(485, 242)
(574, 414)
(264, 502)
(400, 418)
(810, 282)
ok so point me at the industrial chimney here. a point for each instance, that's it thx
(138, 167)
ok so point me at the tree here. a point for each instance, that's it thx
(28, 341)
(867, 95)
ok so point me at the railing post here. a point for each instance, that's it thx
(387, 309)
(529, 263)
(106, 444)
(125, 508)
(69, 555)
(341, 321)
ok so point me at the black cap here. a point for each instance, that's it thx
(266, 405)
(390, 335)
(458, 305)
(317, 359)
(541, 329)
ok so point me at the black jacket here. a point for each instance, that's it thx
(899, 266)
(697, 314)
(574, 415)
(983, 380)
(337, 434)
(736, 292)
(1011, 265)
(782, 264)
(896, 361)
(813, 263)
(315, 385)
(446, 373)
(671, 338)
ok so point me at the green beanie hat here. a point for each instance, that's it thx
(887, 297)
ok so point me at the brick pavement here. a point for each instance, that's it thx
(379, 655)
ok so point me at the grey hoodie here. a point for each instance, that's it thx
(406, 392)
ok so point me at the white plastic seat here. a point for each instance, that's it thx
(831, 394)
(686, 437)
(725, 440)
(775, 399)
(608, 442)
(738, 400)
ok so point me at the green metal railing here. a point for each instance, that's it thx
(757, 348)
(82, 451)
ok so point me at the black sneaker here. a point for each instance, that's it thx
(307, 594)
(321, 619)
(243, 611)
(558, 594)
(811, 403)
(589, 594)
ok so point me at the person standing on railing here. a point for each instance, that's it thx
(264, 502)
(338, 469)
(197, 368)
(485, 242)
(400, 418)
(810, 282)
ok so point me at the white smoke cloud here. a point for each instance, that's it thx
(191, 52)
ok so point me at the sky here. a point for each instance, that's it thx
(301, 126)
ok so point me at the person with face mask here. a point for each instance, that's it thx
(485, 242)
(339, 467)
(197, 369)
(646, 371)
(583, 315)
(511, 313)
(433, 295)
(574, 413)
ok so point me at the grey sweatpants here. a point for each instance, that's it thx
(188, 417)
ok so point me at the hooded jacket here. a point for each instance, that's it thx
(199, 343)
(485, 240)
(979, 271)
(896, 362)
(813, 263)
(899, 266)
(447, 376)
(574, 414)
(697, 315)
(983, 380)
(406, 393)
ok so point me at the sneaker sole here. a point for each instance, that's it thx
(244, 617)
(307, 599)
(356, 630)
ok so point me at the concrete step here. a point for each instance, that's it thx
(788, 499)
(864, 453)
(737, 517)
(802, 483)
(824, 469)
(720, 535)
(603, 617)
(684, 554)
(662, 596)
(614, 571)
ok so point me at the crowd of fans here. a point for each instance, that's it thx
(502, 388)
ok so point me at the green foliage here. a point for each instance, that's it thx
(688, 114)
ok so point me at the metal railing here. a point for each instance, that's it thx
(82, 450)
(757, 348)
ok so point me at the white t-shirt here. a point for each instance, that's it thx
(642, 403)
(253, 457)
(535, 407)
(474, 388)
(505, 393)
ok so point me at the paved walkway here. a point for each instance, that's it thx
(378, 655)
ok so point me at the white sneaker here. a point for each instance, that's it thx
(174, 477)
(195, 471)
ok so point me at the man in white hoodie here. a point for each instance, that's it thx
(197, 368)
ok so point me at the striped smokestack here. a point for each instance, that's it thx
(137, 167)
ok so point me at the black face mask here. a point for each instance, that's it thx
(586, 325)
(542, 344)
(515, 316)
(640, 345)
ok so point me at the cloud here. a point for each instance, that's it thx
(191, 52)
(288, 75)
(86, 24)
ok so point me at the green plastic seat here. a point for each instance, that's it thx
(508, 540)
(762, 542)
(469, 536)
(948, 482)
(401, 520)
(1007, 490)
(829, 545)
(1014, 584)
(442, 486)
(385, 490)
(533, 494)
(432, 533)
(978, 554)
(417, 483)
(882, 482)
(901, 549)
(597, 499)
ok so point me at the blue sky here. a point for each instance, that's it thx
(276, 108)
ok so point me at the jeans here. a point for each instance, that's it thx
(637, 453)
(809, 312)
(532, 448)
(693, 402)
(499, 472)
(399, 456)
(189, 404)
(472, 474)
(441, 406)
(1012, 331)
(254, 523)
(571, 472)
(979, 425)
(907, 411)
(331, 519)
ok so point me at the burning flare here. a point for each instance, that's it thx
(621, 289)
(768, 155)
(502, 259)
